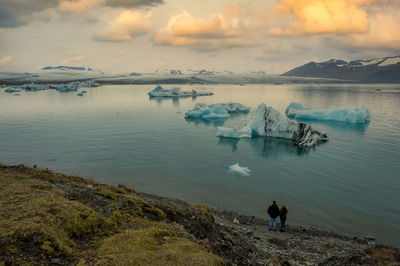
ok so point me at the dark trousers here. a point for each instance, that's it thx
(283, 224)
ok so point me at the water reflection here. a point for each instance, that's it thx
(268, 147)
(207, 122)
(229, 142)
(338, 126)
(275, 147)
(175, 100)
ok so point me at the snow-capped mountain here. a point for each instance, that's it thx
(385, 70)
(67, 68)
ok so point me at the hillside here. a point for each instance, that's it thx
(53, 219)
(380, 70)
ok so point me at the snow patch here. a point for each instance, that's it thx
(390, 61)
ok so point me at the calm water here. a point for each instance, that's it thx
(117, 135)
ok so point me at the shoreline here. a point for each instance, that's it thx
(233, 238)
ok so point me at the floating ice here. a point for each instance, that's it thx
(12, 90)
(239, 170)
(268, 122)
(63, 87)
(216, 111)
(226, 132)
(175, 92)
(355, 115)
(204, 111)
(232, 107)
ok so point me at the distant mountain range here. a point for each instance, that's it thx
(67, 68)
(380, 70)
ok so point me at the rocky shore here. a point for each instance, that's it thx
(53, 219)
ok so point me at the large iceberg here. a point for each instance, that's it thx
(215, 111)
(268, 122)
(175, 92)
(355, 115)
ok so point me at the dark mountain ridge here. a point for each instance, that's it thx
(379, 70)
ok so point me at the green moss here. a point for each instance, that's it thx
(143, 247)
(204, 208)
(39, 220)
(229, 237)
(105, 193)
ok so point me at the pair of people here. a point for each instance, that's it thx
(274, 212)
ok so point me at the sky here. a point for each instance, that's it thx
(123, 36)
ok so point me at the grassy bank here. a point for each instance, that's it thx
(49, 218)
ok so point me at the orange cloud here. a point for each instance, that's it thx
(384, 33)
(127, 25)
(228, 29)
(322, 17)
(5, 60)
(77, 6)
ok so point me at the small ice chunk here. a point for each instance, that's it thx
(216, 111)
(239, 170)
(232, 107)
(12, 90)
(175, 92)
(354, 115)
(203, 111)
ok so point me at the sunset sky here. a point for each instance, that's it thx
(147, 35)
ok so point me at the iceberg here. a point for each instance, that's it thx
(204, 111)
(232, 107)
(63, 87)
(12, 90)
(268, 122)
(175, 92)
(216, 111)
(226, 132)
(355, 115)
(239, 170)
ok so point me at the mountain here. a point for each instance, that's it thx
(67, 68)
(379, 70)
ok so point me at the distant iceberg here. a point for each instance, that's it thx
(239, 170)
(175, 92)
(268, 122)
(63, 87)
(354, 115)
(204, 111)
(216, 111)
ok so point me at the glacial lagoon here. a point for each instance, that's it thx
(118, 135)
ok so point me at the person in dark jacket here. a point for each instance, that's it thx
(282, 216)
(273, 212)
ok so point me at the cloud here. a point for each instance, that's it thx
(384, 34)
(76, 60)
(5, 60)
(127, 25)
(228, 29)
(321, 17)
(16, 13)
(132, 3)
(77, 6)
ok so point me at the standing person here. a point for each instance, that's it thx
(282, 216)
(273, 212)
